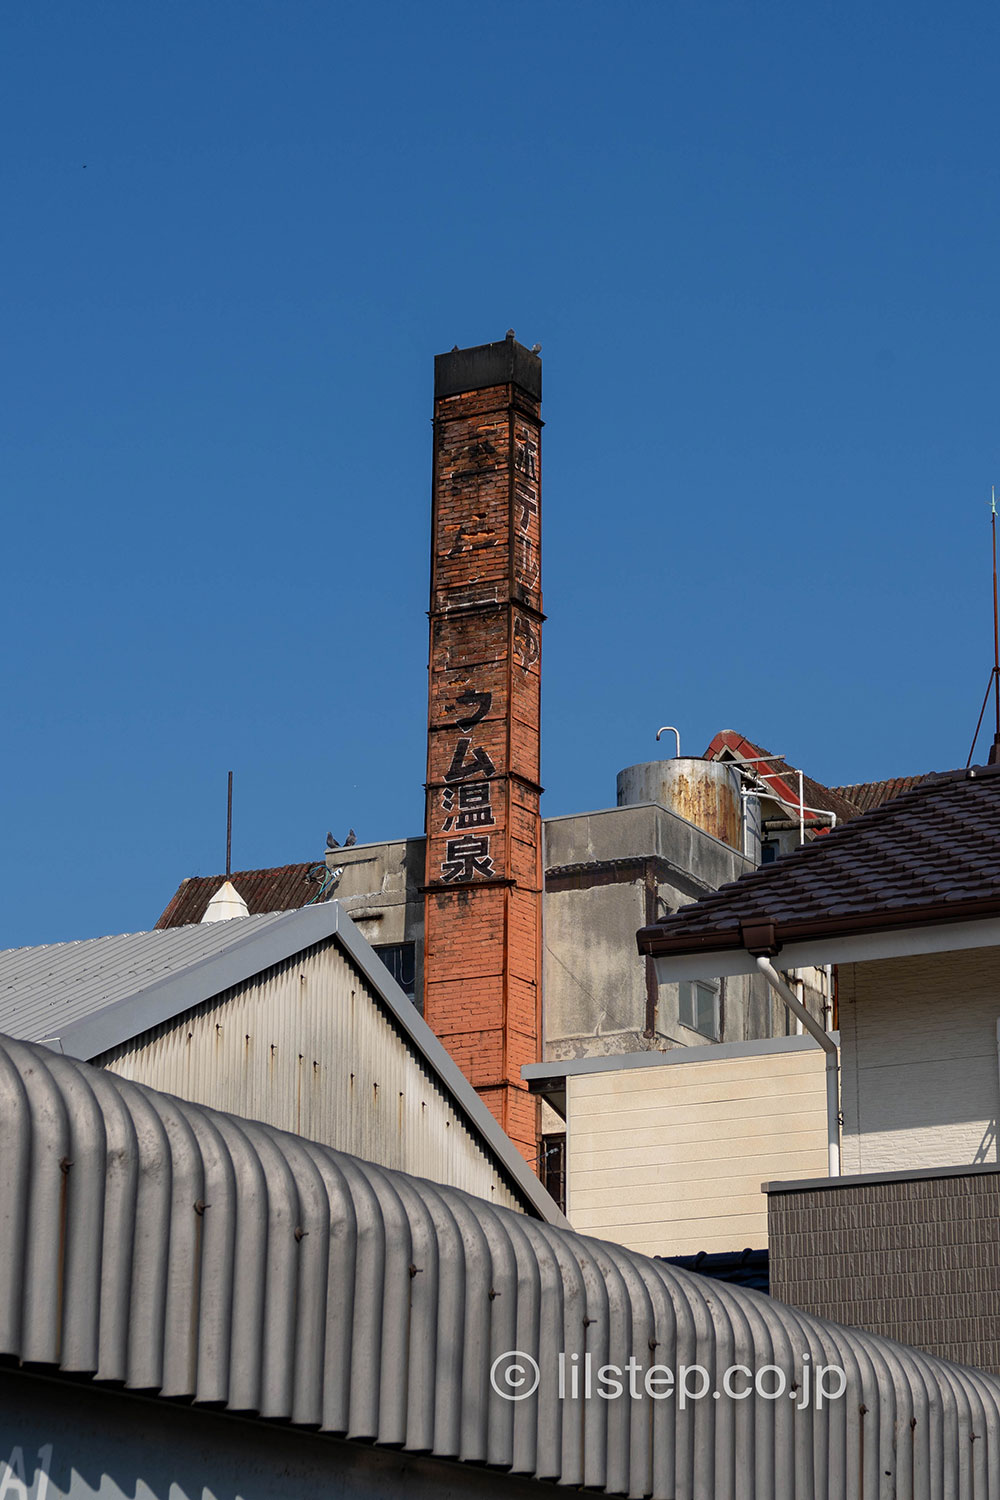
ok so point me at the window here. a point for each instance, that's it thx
(699, 1007)
(401, 961)
(552, 1165)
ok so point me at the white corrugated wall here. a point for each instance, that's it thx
(308, 1048)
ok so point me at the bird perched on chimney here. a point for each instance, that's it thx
(331, 842)
(536, 348)
(351, 838)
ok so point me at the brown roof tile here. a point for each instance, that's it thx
(868, 794)
(931, 853)
(280, 889)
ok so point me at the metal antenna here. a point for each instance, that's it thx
(995, 752)
(229, 829)
(994, 682)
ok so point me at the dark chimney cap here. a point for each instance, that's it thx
(504, 363)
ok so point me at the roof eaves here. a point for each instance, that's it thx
(848, 948)
(652, 943)
(693, 930)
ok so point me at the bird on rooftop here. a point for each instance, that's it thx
(331, 842)
(351, 838)
(536, 348)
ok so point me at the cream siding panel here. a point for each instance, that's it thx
(670, 1160)
(308, 1048)
(919, 1058)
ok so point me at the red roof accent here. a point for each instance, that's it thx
(784, 778)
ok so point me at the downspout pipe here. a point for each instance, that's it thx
(815, 1030)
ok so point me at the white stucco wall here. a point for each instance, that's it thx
(919, 1084)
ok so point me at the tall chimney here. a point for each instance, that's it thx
(483, 891)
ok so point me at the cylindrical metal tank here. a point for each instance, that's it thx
(751, 827)
(705, 792)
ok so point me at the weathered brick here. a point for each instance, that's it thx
(481, 957)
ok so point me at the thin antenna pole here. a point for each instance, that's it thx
(979, 722)
(996, 622)
(994, 682)
(230, 830)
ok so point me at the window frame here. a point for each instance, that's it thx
(690, 993)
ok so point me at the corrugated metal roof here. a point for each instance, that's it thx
(111, 1009)
(44, 990)
(177, 1250)
(932, 853)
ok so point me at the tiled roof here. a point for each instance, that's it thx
(930, 854)
(868, 794)
(778, 773)
(280, 889)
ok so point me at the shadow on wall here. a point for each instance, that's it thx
(69, 1441)
(988, 1145)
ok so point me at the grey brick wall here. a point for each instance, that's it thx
(916, 1258)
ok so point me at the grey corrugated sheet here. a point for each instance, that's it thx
(45, 990)
(165, 973)
(177, 1250)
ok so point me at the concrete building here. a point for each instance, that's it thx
(606, 872)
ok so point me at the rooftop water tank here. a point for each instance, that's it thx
(705, 792)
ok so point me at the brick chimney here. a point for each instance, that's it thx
(483, 891)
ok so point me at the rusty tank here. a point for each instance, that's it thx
(705, 792)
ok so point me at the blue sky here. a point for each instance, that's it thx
(759, 245)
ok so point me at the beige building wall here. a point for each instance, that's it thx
(920, 1084)
(308, 1047)
(668, 1159)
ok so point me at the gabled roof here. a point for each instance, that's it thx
(86, 998)
(930, 856)
(284, 888)
(162, 1247)
(783, 778)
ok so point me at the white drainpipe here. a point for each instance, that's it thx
(829, 1046)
